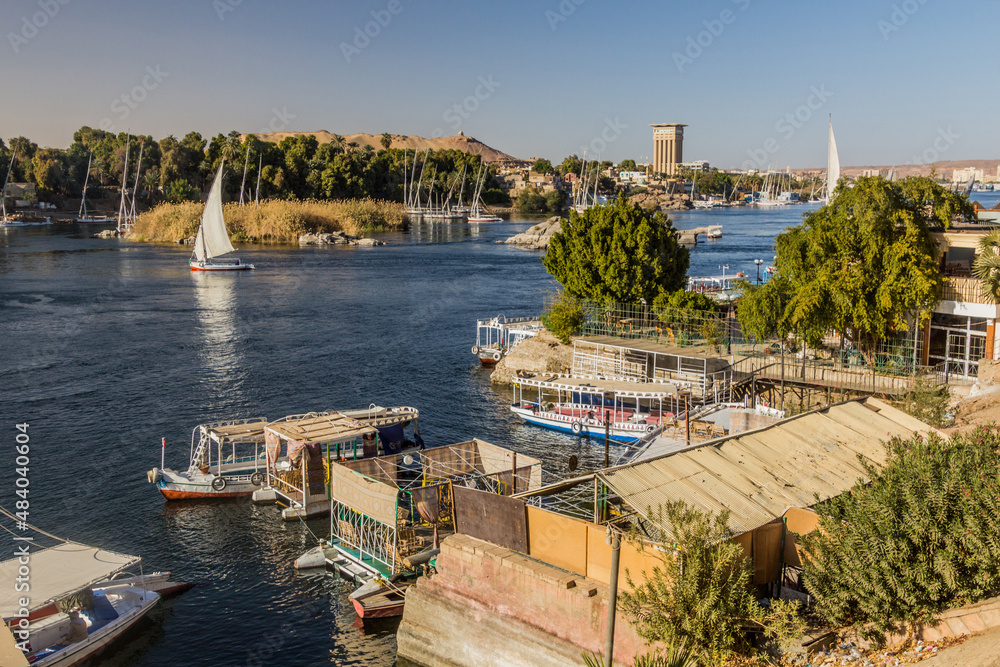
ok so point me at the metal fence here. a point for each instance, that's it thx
(717, 333)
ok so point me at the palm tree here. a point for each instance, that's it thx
(386, 140)
(352, 146)
(151, 183)
(338, 143)
(232, 147)
(986, 266)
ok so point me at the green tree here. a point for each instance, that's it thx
(542, 166)
(920, 537)
(180, 190)
(570, 165)
(700, 594)
(864, 264)
(628, 165)
(761, 308)
(564, 318)
(386, 140)
(618, 253)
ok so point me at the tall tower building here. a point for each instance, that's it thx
(668, 147)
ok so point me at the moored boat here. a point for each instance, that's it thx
(626, 411)
(76, 609)
(496, 337)
(227, 460)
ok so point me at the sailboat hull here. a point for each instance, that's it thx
(209, 265)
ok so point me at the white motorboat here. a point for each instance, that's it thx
(75, 609)
(213, 240)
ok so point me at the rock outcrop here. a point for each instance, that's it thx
(541, 354)
(336, 238)
(538, 236)
(106, 234)
(653, 199)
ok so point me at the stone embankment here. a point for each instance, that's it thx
(541, 354)
(537, 237)
(653, 199)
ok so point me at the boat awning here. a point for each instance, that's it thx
(757, 475)
(57, 572)
(248, 432)
(594, 386)
(323, 427)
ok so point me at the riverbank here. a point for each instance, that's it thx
(273, 221)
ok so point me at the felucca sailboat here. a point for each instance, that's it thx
(832, 166)
(213, 240)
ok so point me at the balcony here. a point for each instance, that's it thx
(967, 290)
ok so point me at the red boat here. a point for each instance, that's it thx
(379, 599)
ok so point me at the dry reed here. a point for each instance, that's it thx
(273, 221)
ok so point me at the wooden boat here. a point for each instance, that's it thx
(379, 598)
(626, 411)
(227, 460)
(75, 609)
(213, 240)
(497, 336)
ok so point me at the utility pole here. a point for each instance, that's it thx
(609, 644)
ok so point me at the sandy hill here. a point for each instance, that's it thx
(459, 142)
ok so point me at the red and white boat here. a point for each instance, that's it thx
(213, 240)
(227, 460)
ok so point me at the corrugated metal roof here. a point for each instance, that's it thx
(759, 474)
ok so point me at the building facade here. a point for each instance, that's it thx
(668, 147)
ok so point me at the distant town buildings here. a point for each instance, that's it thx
(696, 166)
(668, 147)
(964, 175)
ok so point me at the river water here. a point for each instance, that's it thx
(109, 346)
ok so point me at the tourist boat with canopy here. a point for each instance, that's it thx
(76, 607)
(627, 411)
(213, 241)
(496, 337)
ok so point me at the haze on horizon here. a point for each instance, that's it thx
(753, 81)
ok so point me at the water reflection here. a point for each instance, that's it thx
(426, 231)
(216, 302)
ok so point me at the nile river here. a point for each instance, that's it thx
(109, 346)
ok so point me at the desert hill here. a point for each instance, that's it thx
(944, 168)
(411, 142)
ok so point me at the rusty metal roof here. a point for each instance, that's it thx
(759, 474)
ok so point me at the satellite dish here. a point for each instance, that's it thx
(573, 462)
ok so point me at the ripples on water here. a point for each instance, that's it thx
(109, 346)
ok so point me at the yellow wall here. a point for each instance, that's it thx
(557, 540)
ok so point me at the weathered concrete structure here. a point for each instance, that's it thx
(491, 607)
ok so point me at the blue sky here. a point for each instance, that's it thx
(904, 81)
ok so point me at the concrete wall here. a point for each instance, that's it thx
(489, 606)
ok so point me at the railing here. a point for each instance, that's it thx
(958, 288)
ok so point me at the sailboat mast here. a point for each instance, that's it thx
(135, 190)
(243, 183)
(260, 167)
(3, 192)
(122, 223)
(83, 198)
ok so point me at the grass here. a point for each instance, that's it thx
(274, 221)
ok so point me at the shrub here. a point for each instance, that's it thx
(701, 595)
(564, 318)
(922, 536)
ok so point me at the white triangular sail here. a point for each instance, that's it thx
(213, 239)
(832, 165)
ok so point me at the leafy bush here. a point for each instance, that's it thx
(564, 318)
(922, 536)
(495, 197)
(701, 595)
(928, 402)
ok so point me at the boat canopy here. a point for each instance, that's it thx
(324, 427)
(596, 386)
(57, 572)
